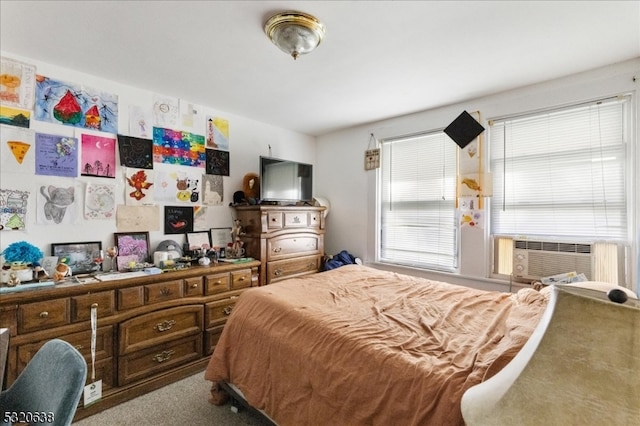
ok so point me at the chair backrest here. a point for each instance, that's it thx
(52, 382)
(4, 349)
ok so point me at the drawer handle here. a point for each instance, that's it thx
(163, 356)
(165, 325)
(242, 278)
(278, 272)
(227, 310)
(164, 291)
(194, 285)
(44, 314)
(277, 249)
(78, 347)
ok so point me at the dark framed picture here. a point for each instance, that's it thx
(198, 240)
(220, 237)
(82, 257)
(132, 247)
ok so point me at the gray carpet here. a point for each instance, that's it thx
(184, 402)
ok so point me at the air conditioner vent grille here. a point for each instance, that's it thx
(553, 246)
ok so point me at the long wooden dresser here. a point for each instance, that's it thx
(151, 330)
(288, 241)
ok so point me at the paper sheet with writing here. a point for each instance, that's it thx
(137, 218)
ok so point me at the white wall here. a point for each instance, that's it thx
(248, 140)
(341, 177)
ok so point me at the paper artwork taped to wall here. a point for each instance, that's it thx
(165, 111)
(472, 219)
(56, 155)
(140, 122)
(75, 105)
(15, 117)
(100, 202)
(17, 83)
(191, 116)
(212, 190)
(17, 152)
(13, 209)
(178, 148)
(178, 220)
(138, 191)
(200, 222)
(56, 205)
(135, 152)
(217, 162)
(137, 218)
(98, 156)
(181, 185)
(218, 133)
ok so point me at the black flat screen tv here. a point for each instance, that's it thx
(285, 181)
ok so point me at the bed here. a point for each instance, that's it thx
(357, 345)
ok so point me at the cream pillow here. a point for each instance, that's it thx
(601, 286)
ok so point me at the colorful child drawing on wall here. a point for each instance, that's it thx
(140, 183)
(75, 105)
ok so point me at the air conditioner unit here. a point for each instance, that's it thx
(533, 260)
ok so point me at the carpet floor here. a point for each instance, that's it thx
(185, 402)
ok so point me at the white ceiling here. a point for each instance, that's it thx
(379, 59)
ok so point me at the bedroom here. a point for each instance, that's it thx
(341, 178)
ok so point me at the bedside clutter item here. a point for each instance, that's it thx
(601, 286)
(15, 276)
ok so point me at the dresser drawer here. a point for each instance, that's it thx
(43, 315)
(240, 279)
(104, 371)
(296, 219)
(211, 338)
(216, 313)
(129, 298)
(193, 287)
(81, 305)
(161, 292)
(217, 283)
(147, 362)
(292, 245)
(274, 220)
(159, 327)
(81, 341)
(283, 269)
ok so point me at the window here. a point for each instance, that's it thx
(561, 174)
(417, 189)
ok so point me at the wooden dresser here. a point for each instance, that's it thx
(151, 330)
(288, 241)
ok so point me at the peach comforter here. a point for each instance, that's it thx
(360, 346)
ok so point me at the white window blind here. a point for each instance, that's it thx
(417, 219)
(562, 173)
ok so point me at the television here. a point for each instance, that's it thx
(285, 181)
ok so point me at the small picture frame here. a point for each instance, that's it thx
(79, 256)
(198, 240)
(132, 246)
(220, 237)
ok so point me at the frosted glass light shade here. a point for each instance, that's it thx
(295, 33)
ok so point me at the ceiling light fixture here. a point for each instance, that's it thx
(295, 33)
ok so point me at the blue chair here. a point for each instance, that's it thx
(50, 387)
